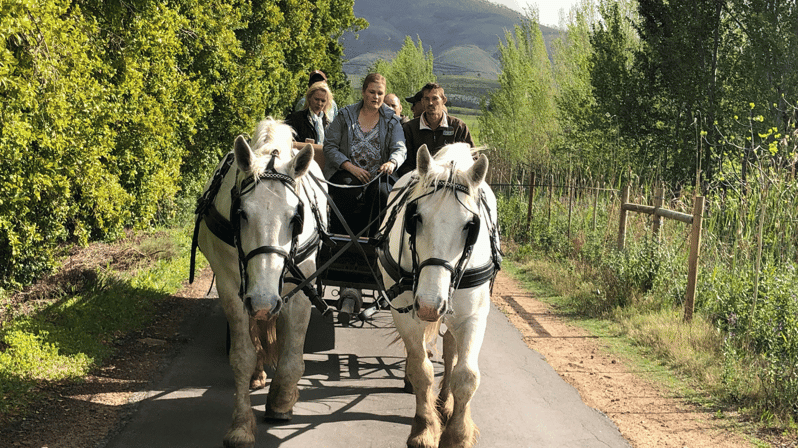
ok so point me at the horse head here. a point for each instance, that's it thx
(267, 213)
(442, 218)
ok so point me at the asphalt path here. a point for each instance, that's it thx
(351, 395)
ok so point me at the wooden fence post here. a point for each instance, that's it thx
(551, 192)
(657, 222)
(531, 198)
(595, 205)
(571, 194)
(622, 220)
(695, 248)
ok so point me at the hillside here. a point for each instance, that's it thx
(462, 34)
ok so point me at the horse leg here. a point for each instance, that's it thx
(426, 428)
(445, 398)
(292, 326)
(460, 430)
(243, 361)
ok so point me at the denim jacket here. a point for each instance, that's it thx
(340, 134)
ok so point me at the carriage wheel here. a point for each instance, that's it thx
(348, 305)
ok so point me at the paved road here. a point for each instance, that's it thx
(351, 397)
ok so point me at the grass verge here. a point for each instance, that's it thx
(686, 359)
(62, 331)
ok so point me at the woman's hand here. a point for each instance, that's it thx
(360, 174)
(388, 167)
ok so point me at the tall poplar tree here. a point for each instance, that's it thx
(576, 105)
(518, 123)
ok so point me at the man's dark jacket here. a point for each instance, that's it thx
(457, 131)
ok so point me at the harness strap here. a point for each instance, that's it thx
(204, 204)
(471, 277)
(219, 226)
(266, 250)
(436, 262)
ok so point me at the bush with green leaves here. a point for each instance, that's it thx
(115, 112)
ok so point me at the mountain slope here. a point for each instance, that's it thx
(462, 34)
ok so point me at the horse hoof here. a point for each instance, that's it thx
(278, 417)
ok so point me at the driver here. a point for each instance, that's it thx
(364, 140)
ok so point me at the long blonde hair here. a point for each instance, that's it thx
(316, 86)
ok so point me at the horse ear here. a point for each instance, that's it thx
(244, 155)
(476, 174)
(423, 160)
(301, 161)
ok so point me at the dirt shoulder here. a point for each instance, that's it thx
(646, 414)
(86, 414)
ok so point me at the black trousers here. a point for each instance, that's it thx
(359, 204)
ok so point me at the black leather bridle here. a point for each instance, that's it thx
(411, 220)
(297, 221)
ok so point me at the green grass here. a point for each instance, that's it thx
(75, 332)
(682, 358)
(738, 355)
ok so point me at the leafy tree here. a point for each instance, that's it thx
(678, 67)
(576, 105)
(111, 108)
(519, 122)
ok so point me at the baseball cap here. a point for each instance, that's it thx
(415, 98)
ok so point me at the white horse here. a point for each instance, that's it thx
(442, 244)
(263, 222)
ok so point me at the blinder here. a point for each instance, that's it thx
(411, 218)
(298, 221)
(472, 229)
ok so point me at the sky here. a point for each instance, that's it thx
(549, 9)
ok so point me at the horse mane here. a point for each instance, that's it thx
(271, 137)
(451, 163)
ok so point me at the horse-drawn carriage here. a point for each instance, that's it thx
(431, 261)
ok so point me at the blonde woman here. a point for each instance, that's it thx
(310, 123)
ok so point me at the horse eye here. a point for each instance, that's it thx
(243, 215)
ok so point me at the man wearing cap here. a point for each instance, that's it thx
(318, 76)
(434, 127)
(416, 106)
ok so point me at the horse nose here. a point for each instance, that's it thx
(431, 313)
(262, 309)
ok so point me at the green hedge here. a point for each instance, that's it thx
(113, 109)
